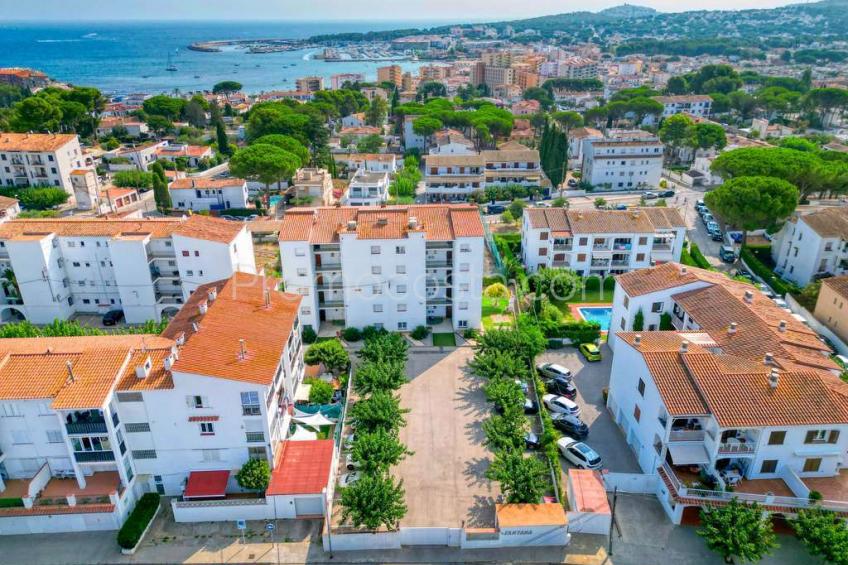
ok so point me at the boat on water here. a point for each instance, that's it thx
(196, 76)
(171, 66)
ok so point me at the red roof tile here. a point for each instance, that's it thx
(303, 467)
(206, 484)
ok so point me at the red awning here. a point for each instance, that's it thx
(206, 484)
(203, 418)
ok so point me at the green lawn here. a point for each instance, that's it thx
(444, 340)
(495, 307)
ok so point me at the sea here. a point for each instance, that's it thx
(129, 57)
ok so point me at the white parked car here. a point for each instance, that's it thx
(524, 386)
(552, 371)
(350, 462)
(578, 453)
(561, 405)
(348, 479)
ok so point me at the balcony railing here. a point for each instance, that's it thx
(736, 448)
(439, 300)
(325, 267)
(437, 283)
(93, 456)
(661, 247)
(563, 246)
(86, 427)
(331, 304)
(255, 437)
(438, 264)
(687, 435)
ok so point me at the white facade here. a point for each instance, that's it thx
(202, 193)
(114, 267)
(414, 279)
(697, 105)
(33, 159)
(812, 246)
(367, 189)
(629, 240)
(628, 161)
(140, 157)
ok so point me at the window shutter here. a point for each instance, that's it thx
(810, 437)
(834, 436)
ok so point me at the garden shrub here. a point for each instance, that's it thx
(309, 336)
(496, 290)
(420, 332)
(321, 392)
(760, 269)
(130, 532)
(351, 334)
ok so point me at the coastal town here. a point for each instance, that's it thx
(566, 289)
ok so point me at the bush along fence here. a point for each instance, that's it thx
(376, 499)
(759, 268)
(501, 358)
(138, 522)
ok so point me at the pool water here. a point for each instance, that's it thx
(602, 315)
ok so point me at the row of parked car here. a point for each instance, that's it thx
(709, 221)
(565, 415)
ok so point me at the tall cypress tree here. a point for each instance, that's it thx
(223, 142)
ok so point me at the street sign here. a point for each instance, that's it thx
(241, 524)
(270, 526)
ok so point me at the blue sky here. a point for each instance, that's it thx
(393, 10)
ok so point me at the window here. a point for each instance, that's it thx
(462, 323)
(584, 241)
(189, 273)
(137, 427)
(255, 437)
(626, 302)
(464, 267)
(10, 410)
(637, 412)
(776, 438)
(55, 436)
(821, 436)
(211, 454)
(196, 402)
(301, 271)
(640, 256)
(197, 253)
(768, 466)
(144, 454)
(306, 311)
(643, 241)
(400, 250)
(300, 252)
(401, 326)
(543, 251)
(250, 403)
(378, 308)
(812, 465)
(543, 236)
(207, 429)
(641, 387)
(657, 307)
(581, 257)
(465, 248)
(463, 305)
(186, 254)
(400, 269)
(401, 307)
(376, 270)
(401, 289)
(623, 324)
(375, 250)
(256, 452)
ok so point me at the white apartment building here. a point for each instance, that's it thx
(451, 142)
(146, 268)
(101, 419)
(576, 137)
(367, 189)
(139, 156)
(396, 267)
(694, 413)
(624, 160)
(205, 193)
(337, 81)
(371, 162)
(192, 154)
(601, 242)
(812, 245)
(696, 105)
(39, 159)
(315, 183)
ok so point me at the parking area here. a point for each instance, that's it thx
(605, 437)
(445, 479)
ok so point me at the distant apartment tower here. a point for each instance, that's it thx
(39, 159)
(23, 78)
(392, 74)
(496, 58)
(337, 81)
(396, 267)
(492, 77)
(310, 84)
(623, 160)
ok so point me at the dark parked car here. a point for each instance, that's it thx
(113, 317)
(666, 193)
(495, 209)
(532, 441)
(563, 387)
(727, 254)
(570, 425)
(571, 183)
(530, 406)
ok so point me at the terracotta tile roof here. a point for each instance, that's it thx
(157, 379)
(439, 222)
(580, 133)
(548, 218)
(206, 182)
(736, 390)
(210, 229)
(94, 376)
(510, 155)
(361, 130)
(183, 151)
(6, 202)
(237, 313)
(636, 220)
(517, 515)
(664, 277)
(839, 285)
(590, 494)
(35, 142)
(682, 98)
(828, 222)
(453, 160)
(302, 467)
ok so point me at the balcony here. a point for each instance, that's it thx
(736, 448)
(563, 246)
(661, 247)
(331, 304)
(86, 427)
(687, 435)
(327, 267)
(438, 301)
(93, 456)
(329, 286)
(438, 283)
(438, 264)
(439, 245)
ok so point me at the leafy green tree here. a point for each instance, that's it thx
(36, 114)
(567, 120)
(384, 347)
(753, 202)
(370, 144)
(379, 376)
(430, 89)
(320, 391)
(226, 87)
(374, 500)
(559, 284)
(255, 474)
(287, 143)
(522, 479)
(165, 106)
(824, 101)
(505, 432)
(676, 130)
(425, 126)
(264, 163)
(516, 208)
(523, 343)
(600, 202)
(504, 393)
(737, 530)
(639, 321)
(330, 353)
(161, 194)
(376, 113)
(541, 95)
(375, 452)
(222, 139)
(133, 179)
(742, 102)
(796, 167)
(10, 94)
(706, 136)
(195, 114)
(380, 411)
(160, 125)
(824, 534)
(499, 365)
(677, 85)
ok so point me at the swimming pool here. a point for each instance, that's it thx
(600, 314)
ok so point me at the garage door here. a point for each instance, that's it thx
(308, 506)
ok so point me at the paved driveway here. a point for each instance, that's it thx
(605, 437)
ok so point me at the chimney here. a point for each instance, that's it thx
(169, 362)
(637, 341)
(382, 221)
(242, 349)
(195, 327)
(774, 378)
(70, 366)
(768, 359)
(683, 270)
(351, 225)
(635, 214)
(203, 307)
(749, 296)
(781, 326)
(732, 328)
(143, 371)
(684, 346)
(267, 294)
(413, 222)
(213, 294)
(180, 338)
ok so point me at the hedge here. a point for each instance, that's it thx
(579, 331)
(11, 502)
(760, 269)
(130, 533)
(698, 257)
